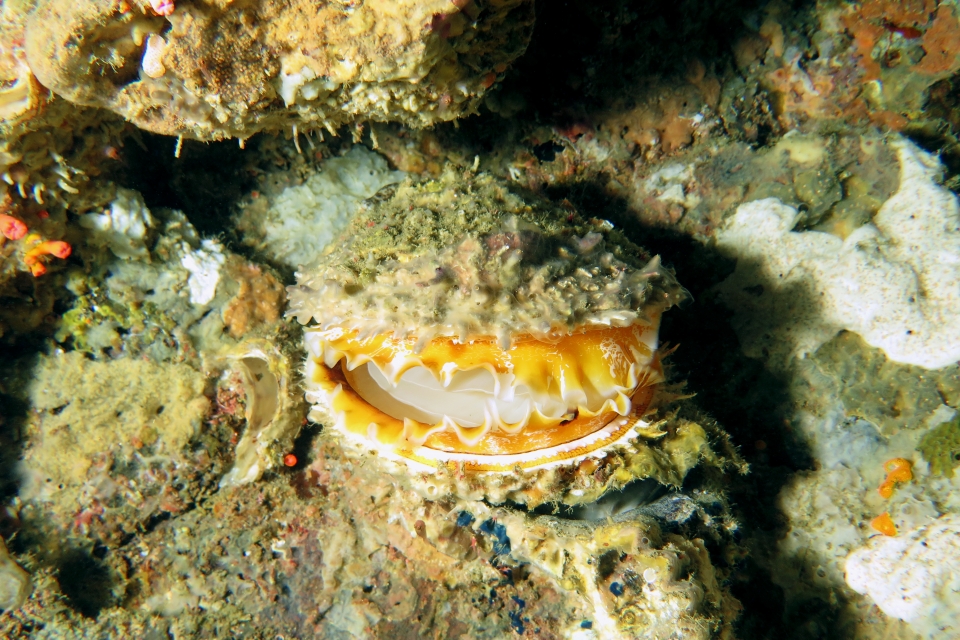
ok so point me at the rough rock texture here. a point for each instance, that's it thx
(892, 281)
(214, 69)
(857, 412)
(49, 148)
(337, 550)
(914, 576)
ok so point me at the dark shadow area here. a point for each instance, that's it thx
(86, 582)
(303, 445)
(18, 358)
(583, 54)
(586, 58)
(635, 495)
(205, 182)
(12, 418)
(939, 132)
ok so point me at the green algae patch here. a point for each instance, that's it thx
(941, 448)
(891, 395)
(101, 318)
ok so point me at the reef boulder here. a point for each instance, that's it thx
(213, 69)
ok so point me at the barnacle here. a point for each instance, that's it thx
(20, 93)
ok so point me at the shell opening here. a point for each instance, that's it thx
(469, 400)
(475, 397)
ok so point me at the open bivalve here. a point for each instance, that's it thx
(487, 345)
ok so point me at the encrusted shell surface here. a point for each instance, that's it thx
(464, 275)
(469, 257)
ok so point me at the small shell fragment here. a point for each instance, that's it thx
(152, 64)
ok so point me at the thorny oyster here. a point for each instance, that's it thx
(488, 345)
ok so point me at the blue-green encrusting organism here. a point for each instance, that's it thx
(941, 448)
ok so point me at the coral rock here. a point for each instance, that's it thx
(212, 70)
(14, 582)
(914, 576)
(892, 281)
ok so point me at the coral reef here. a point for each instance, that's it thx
(335, 549)
(211, 70)
(861, 62)
(624, 125)
(670, 118)
(150, 282)
(155, 401)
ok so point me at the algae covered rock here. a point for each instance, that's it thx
(941, 448)
(892, 281)
(890, 395)
(213, 69)
(85, 408)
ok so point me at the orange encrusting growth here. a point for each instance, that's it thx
(899, 470)
(11, 228)
(884, 524)
(616, 356)
(33, 258)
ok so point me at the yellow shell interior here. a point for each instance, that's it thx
(537, 402)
